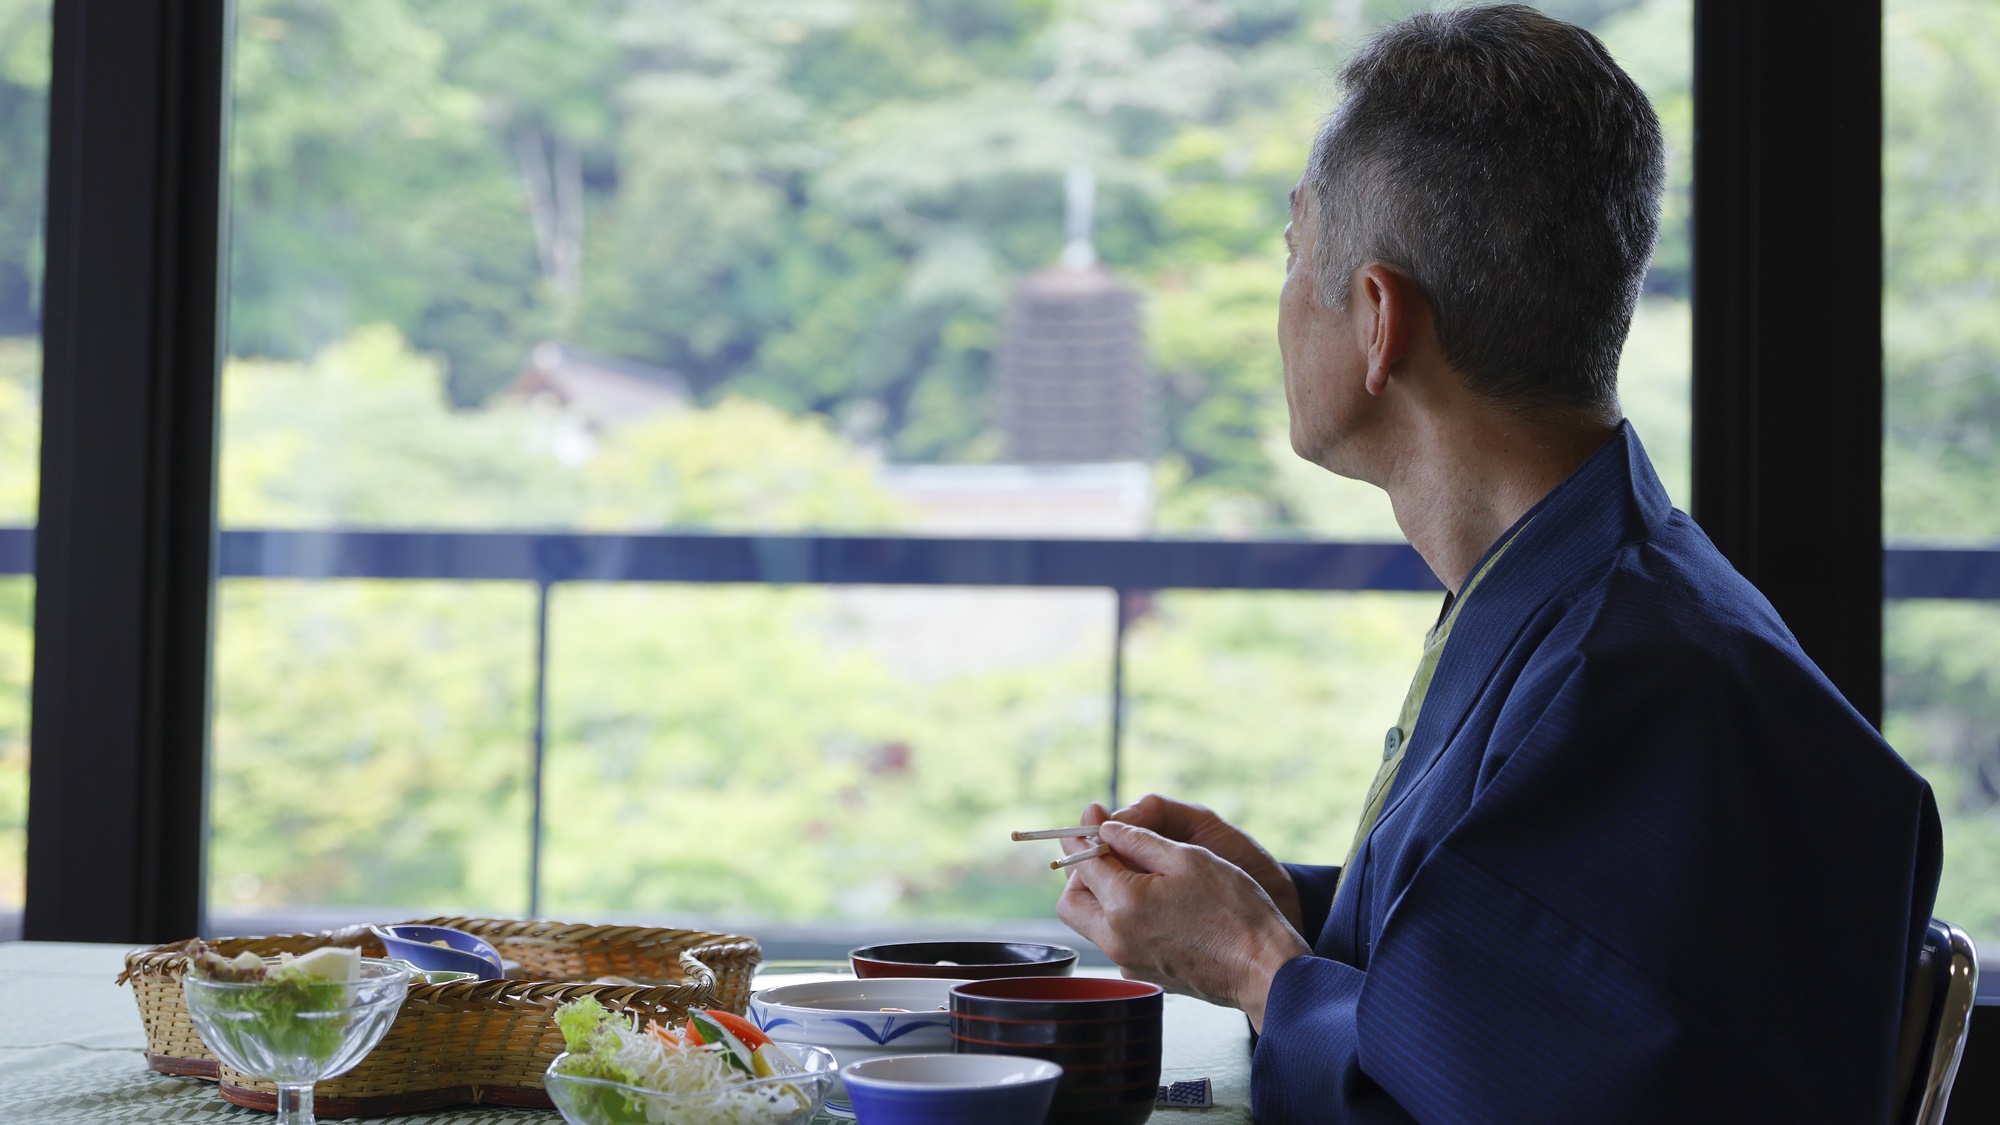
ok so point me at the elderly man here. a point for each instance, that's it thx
(1630, 856)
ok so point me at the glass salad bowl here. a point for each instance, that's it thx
(782, 1099)
(294, 1030)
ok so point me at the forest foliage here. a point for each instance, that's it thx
(814, 211)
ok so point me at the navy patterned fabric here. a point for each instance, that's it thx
(1642, 863)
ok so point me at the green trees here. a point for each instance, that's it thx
(1941, 221)
(24, 112)
(1941, 439)
(814, 210)
(816, 205)
(20, 421)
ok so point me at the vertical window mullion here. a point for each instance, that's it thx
(125, 540)
(1788, 316)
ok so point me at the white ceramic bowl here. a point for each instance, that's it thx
(846, 1017)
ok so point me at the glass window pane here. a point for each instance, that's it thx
(371, 752)
(1228, 691)
(715, 266)
(574, 230)
(852, 757)
(1941, 663)
(1654, 41)
(1941, 471)
(24, 116)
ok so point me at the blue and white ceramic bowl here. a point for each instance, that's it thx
(951, 1089)
(846, 1017)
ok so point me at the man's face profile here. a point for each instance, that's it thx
(1315, 342)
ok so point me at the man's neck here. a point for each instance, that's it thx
(1464, 479)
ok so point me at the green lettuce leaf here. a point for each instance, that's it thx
(274, 1008)
(590, 1034)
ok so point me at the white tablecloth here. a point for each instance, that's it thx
(72, 1050)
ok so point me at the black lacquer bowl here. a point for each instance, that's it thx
(1104, 1033)
(963, 960)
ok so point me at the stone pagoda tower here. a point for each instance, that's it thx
(1070, 367)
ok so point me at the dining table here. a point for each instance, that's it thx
(72, 1050)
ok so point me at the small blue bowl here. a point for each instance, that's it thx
(951, 1090)
(461, 952)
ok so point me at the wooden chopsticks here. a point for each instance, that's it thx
(1078, 857)
(1057, 833)
(1076, 832)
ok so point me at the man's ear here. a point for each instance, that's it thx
(1389, 309)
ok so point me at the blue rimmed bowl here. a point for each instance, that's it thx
(441, 949)
(952, 1090)
(846, 1018)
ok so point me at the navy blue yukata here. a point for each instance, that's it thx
(1642, 863)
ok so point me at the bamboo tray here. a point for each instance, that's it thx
(479, 1042)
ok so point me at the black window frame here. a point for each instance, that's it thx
(125, 535)
(1787, 406)
(1788, 317)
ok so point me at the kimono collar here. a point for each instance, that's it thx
(1612, 500)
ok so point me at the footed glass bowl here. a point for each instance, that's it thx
(296, 1032)
(783, 1099)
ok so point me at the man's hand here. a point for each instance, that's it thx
(1181, 917)
(1192, 824)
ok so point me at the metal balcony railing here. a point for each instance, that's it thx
(546, 557)
(1124, 566)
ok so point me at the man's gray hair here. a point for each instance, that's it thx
(1503, 160)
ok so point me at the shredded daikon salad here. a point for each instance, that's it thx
(715, 1054)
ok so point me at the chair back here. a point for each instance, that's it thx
(1936, 1013)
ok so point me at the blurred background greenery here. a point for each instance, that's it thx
(814, 212)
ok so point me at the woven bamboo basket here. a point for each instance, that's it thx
(469, 1041)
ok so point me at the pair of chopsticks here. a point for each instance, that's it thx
(1076, 833)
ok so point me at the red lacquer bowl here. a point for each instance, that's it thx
(1104, 1033)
